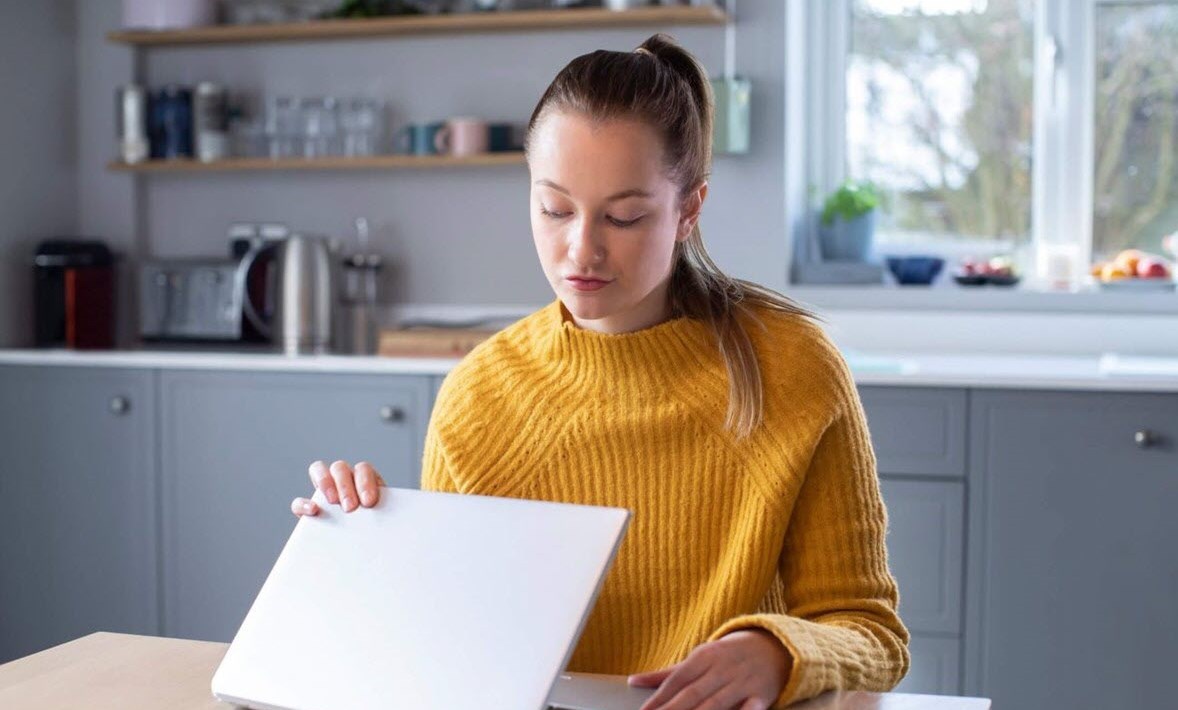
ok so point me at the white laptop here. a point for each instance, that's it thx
(429, 600)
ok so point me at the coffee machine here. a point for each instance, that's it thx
(73, 294)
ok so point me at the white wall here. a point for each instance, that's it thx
(38, 108)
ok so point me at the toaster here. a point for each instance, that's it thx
(199, 299)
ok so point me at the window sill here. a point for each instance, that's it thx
(950, 297)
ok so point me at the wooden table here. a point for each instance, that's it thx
(125, 672)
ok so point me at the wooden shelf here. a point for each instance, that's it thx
(502, 21)
(378, 162)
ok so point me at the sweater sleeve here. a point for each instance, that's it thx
(839, 624)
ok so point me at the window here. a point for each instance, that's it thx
(938, 116)
(1045, 129)
(1135, 179)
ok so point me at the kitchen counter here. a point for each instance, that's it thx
(106, 670)
(1000, 371)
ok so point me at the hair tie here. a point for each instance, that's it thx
(644, 50)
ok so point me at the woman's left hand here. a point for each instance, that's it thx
(745, 670)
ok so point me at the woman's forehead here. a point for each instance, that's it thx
(587, 156)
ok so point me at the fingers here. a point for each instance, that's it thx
(754, 704)
(345, 484)
(368, 483)
(304, 506)
(710, 691)
(682, 674)
(322, 480)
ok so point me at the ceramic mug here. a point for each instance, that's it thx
(462, 136)
(417, 138)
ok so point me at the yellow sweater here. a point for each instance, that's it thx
(782, 531)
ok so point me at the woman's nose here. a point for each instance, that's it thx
(584, 249)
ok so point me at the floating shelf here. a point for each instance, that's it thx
(377, 162)
(501, 21)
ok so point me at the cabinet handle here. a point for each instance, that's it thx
(1145, 438)
(119, 405)
(392, 415)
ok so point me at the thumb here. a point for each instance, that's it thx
(651, 679)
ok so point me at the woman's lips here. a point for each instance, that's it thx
(582, 284)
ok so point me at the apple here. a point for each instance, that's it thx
(1150, 267)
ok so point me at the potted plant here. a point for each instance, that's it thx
(848, 222)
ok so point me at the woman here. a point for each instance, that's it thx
(754, 572)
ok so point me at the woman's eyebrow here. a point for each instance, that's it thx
(632, 192)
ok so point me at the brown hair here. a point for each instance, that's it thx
(663, 85)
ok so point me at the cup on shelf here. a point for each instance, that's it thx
(503, 137)
(362, 123)
(320, 124)
(462, 136)
(417, 138)
(282, 127)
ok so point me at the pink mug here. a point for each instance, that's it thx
(462, 136)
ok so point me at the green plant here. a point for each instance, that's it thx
(850, 200)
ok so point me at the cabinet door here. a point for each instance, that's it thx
(917, 431)
(235, 451)
(935, 668)
(78, 530)
(1073, 528)
(926, 527)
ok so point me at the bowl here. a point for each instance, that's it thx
(915, 270)
(970, 279)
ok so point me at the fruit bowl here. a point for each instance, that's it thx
(1138, 284)
(996, 271)
(970, 279)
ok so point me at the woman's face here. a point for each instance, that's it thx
(606, 218)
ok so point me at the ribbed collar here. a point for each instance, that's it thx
(668, 351)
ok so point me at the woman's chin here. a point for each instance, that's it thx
(585, 307)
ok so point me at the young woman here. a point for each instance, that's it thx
(754, 572)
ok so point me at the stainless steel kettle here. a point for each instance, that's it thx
(306, 296)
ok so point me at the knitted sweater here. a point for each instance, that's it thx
(781, 531)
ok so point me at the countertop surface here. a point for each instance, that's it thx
(1108, 372)
(106, 670)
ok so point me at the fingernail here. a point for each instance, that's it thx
(367, 496)
(345, 503)
(307, 508)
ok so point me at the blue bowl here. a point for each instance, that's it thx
(915, 270)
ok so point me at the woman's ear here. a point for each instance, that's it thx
(689, 215)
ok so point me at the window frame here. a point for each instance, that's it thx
(1063, 122)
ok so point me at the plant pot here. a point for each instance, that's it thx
(848, 240)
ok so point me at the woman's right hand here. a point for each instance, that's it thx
(341, 484)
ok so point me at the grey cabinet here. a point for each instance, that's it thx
(917, 431)
(918, 435)
(77, 534)
(234, 451)
(926, 532)
(936, 666)
(1072, 537)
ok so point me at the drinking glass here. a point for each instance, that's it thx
(282, 126)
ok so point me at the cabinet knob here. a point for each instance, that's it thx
(391, 414)
(1145, 438)
(119, 405)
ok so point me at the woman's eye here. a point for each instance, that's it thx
(624, 222)
(546, 213)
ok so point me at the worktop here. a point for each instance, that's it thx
(1003, 371)
(127, 671)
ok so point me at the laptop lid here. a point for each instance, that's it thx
(427, 600)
